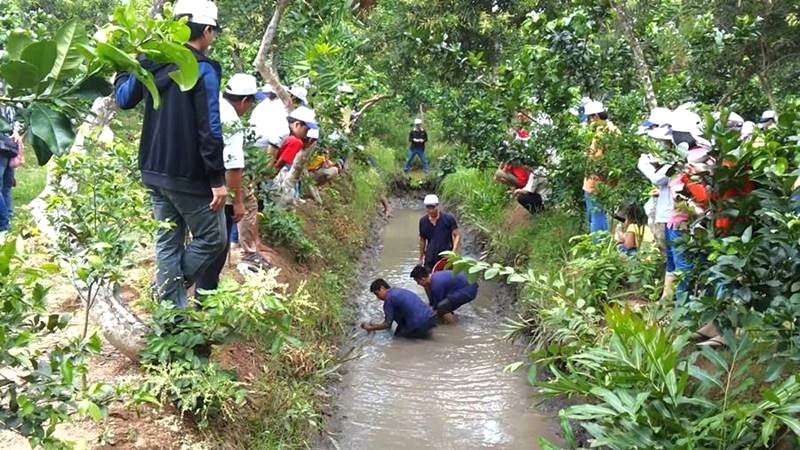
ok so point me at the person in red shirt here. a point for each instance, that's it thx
(512, 175)
(300, 120)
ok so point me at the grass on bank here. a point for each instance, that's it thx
(513, 235)
(31, 179)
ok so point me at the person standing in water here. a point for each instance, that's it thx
(414, 318)
(446, 291)
(438, 232)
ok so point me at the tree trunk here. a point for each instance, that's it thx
(265, 56)
(639, 61)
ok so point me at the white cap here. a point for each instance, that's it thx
(300, 92)
(417, 121)
(686, 121)
(202, 12)
(305, 114)
(345, 88)
(313, 133)
(241, 84)
(768, 115)
(734, 120)
(658, 117)
(593, 107)
(431, 199)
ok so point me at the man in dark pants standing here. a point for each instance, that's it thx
(438, 232)
(238, 98)
(416, 140)
(180, 157)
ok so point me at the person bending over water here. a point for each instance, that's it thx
(446, 291)
(414, 318)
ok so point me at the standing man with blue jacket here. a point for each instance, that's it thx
(180, 157)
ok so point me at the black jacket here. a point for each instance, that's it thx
(418, 134)
(181, 143)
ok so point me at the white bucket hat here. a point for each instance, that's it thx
(594, 107)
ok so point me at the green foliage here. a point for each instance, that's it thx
(179, 345)
(478, 199)
(282, 227)
(54, 77)
(43, 381)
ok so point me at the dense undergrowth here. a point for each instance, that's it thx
(598, 335)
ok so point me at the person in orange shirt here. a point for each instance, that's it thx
(596, 216)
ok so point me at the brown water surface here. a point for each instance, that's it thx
(448, 392)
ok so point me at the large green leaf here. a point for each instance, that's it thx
(94, 87)
(53, 128)
(42, 55)
(16, 43)
(64, 39)
(123, 62)
(19, 74)
(167, 52)
(43, 153)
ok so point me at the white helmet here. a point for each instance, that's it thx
(242, 84)
(593, 107)
(417, 121)
(300, 92)
(306, 115)
(202, 12)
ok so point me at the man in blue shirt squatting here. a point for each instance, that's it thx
(438, 232)
(446, 291)
(414, 318)
(180, 157)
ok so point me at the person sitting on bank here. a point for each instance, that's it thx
(321, 168)
(635, 230)
(446, 291)
(512, 174)
(533, 195)
(414, 318)
(438, 232)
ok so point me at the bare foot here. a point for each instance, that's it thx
(449, 319)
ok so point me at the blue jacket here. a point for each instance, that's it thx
(181, 143)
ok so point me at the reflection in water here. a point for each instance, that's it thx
(446, 392)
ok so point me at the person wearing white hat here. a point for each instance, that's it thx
(769, 119)
(242, 206)
(417, 139)
(596, 216)
(181, 157)
(301, 121)
(268, 121)
(438, 232)
(299, 96)
(658, 117)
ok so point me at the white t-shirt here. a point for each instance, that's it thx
(268, 120)
(232, 135)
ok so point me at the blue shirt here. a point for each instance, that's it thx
(438, 237)
(407, 309)
(444, 284)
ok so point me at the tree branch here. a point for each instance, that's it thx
(265, 53)
(364, 107)
(639, 61)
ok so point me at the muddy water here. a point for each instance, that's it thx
(448, 392)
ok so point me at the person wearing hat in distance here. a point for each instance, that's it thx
(596, 216)
(417, 139)
(769, 119)
(180, 157)
(657, 127)
(321, 168)
(438, 232)
(446, 290)
(237, 99)
(414, 318)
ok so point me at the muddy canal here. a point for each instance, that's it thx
(448, 392)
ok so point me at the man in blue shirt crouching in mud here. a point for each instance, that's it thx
(414, 318)
(446, 291)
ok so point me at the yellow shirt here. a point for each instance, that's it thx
(641, 234)
(316, 162)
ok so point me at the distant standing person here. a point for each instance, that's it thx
(446, 291)
(438, 232)
(596, 216)
(414, 318)
(417, 139)
(180, 157)
(11, 156)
